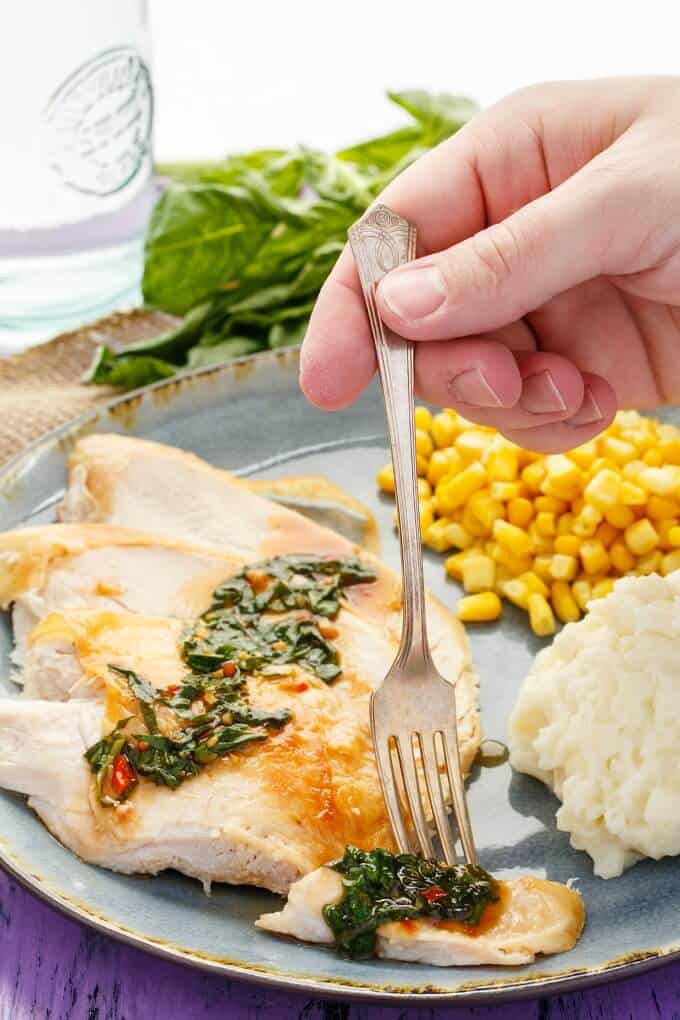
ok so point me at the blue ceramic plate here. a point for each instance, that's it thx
(250, 417)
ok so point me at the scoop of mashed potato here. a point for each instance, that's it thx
(598, 721)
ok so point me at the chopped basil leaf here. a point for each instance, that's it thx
(379, 887)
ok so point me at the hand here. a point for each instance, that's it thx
(547, 290)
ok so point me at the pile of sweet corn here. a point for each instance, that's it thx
(547, 532)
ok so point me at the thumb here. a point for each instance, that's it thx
(498, 275)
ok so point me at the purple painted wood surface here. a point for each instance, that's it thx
(54, 969)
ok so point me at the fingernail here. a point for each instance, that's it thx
(589, 412)
(540, 395)
(415, 293)
(472, 388)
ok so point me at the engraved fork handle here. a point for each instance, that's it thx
(380, 242)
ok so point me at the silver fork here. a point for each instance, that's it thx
(414, 703)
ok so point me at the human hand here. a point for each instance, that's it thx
(547, 290)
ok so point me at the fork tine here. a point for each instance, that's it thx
(390, 793)
(413, 795)
(455, 777)
(428, 753)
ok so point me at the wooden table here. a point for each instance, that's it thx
(52, 968)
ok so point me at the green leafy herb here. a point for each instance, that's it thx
(379, 887)
(209, 715)
(242, 246)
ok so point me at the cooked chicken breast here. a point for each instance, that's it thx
(135, 483)
(532, 916)
(95, 566)
(265, 816)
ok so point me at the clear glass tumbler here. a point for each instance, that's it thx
(76, 184)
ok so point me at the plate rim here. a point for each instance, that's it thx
(503, 989)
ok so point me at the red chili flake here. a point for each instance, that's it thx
(434, 893)
(300, 686)
(122, 774)
(142, 745)
(229, 668)
(172, 689)
(408, 924)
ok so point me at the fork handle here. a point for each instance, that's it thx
(380, 241)
(395, 363)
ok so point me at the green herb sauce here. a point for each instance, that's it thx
(380, 887)
(228, 643)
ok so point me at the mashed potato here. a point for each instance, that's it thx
(598, 720)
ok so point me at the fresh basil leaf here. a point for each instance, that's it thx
(200, 239)
(126, 370)
(217, 354)
(382, 153)
(440, 114)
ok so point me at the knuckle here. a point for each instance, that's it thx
(497, 252)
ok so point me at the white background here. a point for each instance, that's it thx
(236, 74)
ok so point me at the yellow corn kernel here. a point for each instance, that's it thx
(456, 491)
(565, 523)
(520, 512)
(426, 514)
(585, 454)
(549, 504)
(564, 479)
(453, 565)
(533, 475)
(563, 567)
(606, 533)
(586, 522)
(670, 562)
(660, 508)
(473, 524)
(502, 463)
(664, 528)
(632, 470)
(423, 418)
(504, 491)
(577, 505)
(662, 481)
(444, 429)
(421, 465)
(541, 544)
(385, 478)
(545, 523)
(653, 457)
(473, 444)
(534, 583)
(541, 615)
(516, 591)
(594, 557)
(649, 564)
(515, 564)
(424, 489)
(670, 450)
(485, 509)
(602, 588)
(619, 517)
(674, 536)
(618, 449)
(424, 444)
(479, 574)
(565, 605)
(568, 545)
(444, 463)
(641, 537)
(632, 495)
(479, 608)
(621, 557)
(458, 536)
(512, 538)
(581, 590)
(602, 491)
(542, 566)
(437, 536)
